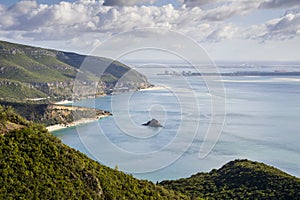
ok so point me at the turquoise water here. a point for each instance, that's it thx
(262, 123)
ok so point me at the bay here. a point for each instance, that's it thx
(261, 123)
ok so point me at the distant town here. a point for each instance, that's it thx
(238, 73)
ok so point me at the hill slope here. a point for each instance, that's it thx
(45, 72)
(35, 164)
(239, 179)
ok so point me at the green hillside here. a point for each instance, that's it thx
(10, 121)
(52, 72)
(36, 165)
(10, 88)
(239, 179)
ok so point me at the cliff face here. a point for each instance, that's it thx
(51, 114)
(57, 114)
(50, 74)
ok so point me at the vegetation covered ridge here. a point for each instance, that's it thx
(36, 74)
(52, 114)
(36, 165)
(239, 179)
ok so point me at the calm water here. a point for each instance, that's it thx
(262, 123)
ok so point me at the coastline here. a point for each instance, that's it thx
(64, 102)
(57, 127)
(63, 105)
(153, 88)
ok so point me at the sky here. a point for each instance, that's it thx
(228, 30)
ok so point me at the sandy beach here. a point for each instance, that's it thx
(154, 88)
(64, 102)
(57, 127)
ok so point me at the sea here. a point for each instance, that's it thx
(206, 123)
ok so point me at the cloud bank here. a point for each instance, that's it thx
(283, 28)
(92, 21)
(279, 3)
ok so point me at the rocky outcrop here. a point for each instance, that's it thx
(59, 114)
(153, 123)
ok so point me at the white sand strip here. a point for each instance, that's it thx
(154, 88)
(78, 122)
(64, 102)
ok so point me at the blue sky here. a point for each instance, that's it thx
(248, 30)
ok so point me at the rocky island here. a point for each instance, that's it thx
(153, 123)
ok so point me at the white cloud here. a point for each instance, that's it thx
(88, 22)
(33, 17)
(68, 20)
(245, 4)
(23, 7)
(279, 3)
(224, 12)
(283, 28)
(222, 33)
(2, 8)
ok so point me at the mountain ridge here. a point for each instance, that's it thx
(239, 179)
(49, 73)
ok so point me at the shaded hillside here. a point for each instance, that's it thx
(11, 90)
(239, 179)
(36, 165)
(29, 72)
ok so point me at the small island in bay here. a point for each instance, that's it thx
(37, 164)
(153, 123)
